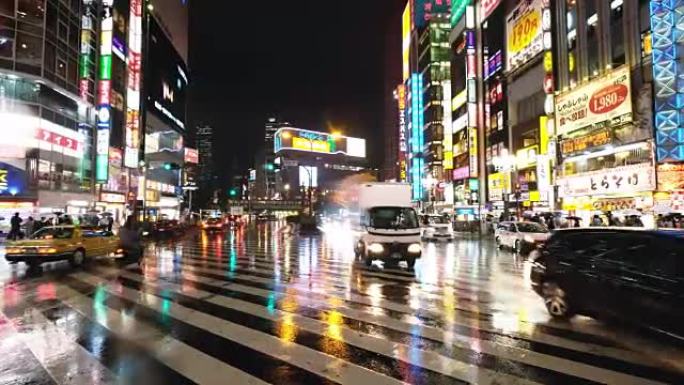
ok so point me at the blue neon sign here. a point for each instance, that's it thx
(417, 137)
(668, 27)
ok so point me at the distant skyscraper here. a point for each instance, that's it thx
(266, 175)
(205, 139)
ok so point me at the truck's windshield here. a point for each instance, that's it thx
(393, 218)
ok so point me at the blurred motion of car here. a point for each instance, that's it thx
(631, 275)
(266, 216)
(62, 243)
(212, 224)
(234, 220)
(522, 237)
(165, 227)
(437, 227)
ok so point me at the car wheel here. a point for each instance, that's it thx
(77, 258)
(411, 263)
(556, 301)
(498, 242)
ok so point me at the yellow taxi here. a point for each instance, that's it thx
(55, 243)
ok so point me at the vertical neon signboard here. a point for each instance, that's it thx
(668, 27)
(406, 40)
(131, 155)
(85, 52)
(471, 87)
(403, 147)
(104, 118)
(417, 138)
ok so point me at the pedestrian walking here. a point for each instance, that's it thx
(15, 226)
(110, 223)
(30, 226)
(131, 240)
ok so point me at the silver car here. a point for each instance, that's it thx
(522, 237)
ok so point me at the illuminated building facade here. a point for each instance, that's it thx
(46, 127)
(426, 75)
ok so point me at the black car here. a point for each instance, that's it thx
(636, 276)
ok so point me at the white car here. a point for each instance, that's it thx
(522, 237)
(437, 227)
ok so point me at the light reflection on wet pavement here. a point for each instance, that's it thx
(260, 305)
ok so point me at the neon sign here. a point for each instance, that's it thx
(289, 138)
(669, 99)
(132, 149)
(104, 118)
(417, 138)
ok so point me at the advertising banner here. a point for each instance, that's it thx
(585, 142)
(602, 101)
(524, 33)
(191, 155)
(619, 180)
(487, 7)
(670, 177)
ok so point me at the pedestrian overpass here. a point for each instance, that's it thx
(268, 205)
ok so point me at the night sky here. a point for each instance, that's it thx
(312, 63)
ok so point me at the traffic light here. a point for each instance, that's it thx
(270, 166)
(171, 166)
(233, 192)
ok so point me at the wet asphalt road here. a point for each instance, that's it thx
(260, 305)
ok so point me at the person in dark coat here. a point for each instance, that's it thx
(15, 226)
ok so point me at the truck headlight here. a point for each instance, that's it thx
(415, 248)
(375, 248)
(528, 239)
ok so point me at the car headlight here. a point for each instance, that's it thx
(415, 248)
(528, 239)
(13, 250)
(375, 248)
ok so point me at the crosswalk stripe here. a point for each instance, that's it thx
(612, 360)
(194, 365)
(331, 324)
(448, 341)
(50, 344)
(22, 365)
(465, 309)
(223, 336)
(373, 301)
(609, 358)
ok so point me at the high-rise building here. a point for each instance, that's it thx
(265, 167)
(552, 107)
(205, 148)
(426, 74)
(46, 127)
(165, 89)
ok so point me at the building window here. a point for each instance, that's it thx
(31, 11)
(617, 38)
(29, 49)
(60, 67)
(62, 31)
(592, 33)
(572, 42)
(6, 37)
(7, 7)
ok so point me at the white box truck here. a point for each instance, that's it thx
(391, 231)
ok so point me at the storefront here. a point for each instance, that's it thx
(670, 196)
(163, 208)
(625, 190)
(113, 203)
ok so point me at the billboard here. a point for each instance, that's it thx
(306, 174)
(191, 155)
(297, 139)
(605, 100)
(167, 82)
(406, 39)
(424, 10)
(132, 148)
(104, 118)
(524, 33)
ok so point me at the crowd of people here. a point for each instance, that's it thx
(20, 228)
